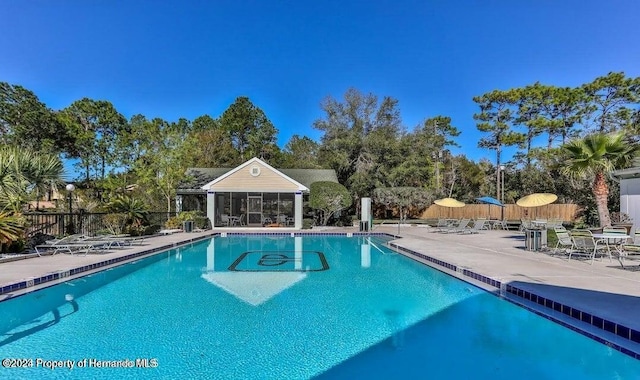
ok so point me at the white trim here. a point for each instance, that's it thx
(254, 160)
(244, 190)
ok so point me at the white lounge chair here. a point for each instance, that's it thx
(169, 231)
(57, 245)
(460, 227)
(475, 228)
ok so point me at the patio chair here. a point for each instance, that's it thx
(631, 250)
(584, 243)
(564, 239)
(525, 224)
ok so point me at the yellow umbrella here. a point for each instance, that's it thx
(448, 202)
(536, 199)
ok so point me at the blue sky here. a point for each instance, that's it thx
(174, 59)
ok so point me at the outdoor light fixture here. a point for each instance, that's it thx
(70, 188)
(502, 187)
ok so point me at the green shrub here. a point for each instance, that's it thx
(173, 222)
(329, 198)
(307, 223)
(115, 222)
(152, 229)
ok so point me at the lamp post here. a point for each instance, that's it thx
(70, 188)
(502, 186)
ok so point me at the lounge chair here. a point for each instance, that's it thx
(476, 227)
(460, 227)
(169, 231)
(57, 245)
(442, 225)
(74, 244)
(120, 240)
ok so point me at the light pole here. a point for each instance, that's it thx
(502, 186)
(70, 188)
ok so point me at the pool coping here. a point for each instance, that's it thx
(503, 290)
(53, 278)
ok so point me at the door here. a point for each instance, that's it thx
(254, 210)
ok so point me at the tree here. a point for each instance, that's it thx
(301, 153)
(161, 165)
(44, 173)
(360, 140)
(95, 126)
(26, 121)
(593, 157)
(25, 175)
(135, 211)
(210, 145)
(607, 101)
(495, 118)
(402, 199)
(252, 133)
(329, 198)
(12, 228)
(423, 153)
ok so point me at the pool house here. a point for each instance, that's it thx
(253, 194)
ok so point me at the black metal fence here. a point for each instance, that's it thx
(60, 224)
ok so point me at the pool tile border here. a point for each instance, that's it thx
(59, 275)
(6, 290)
(619, 330)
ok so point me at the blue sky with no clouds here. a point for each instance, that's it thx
(175, 59)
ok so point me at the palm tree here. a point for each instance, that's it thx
(12, 181)
(44, 172)
(11, 228)
(595, 156)
(26, 175)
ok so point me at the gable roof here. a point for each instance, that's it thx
(200, 177)
(257, 163)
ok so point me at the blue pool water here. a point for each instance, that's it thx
(289, 308)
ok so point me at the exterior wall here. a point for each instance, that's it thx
(266, 181)
(630, 199)
(211, 208)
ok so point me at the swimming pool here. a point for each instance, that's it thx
(273, 307)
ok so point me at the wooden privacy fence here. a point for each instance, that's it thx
(565, 212)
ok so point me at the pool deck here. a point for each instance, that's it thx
(603, 289)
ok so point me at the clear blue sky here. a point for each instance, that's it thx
(175, 59)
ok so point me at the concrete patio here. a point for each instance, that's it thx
(603, 289)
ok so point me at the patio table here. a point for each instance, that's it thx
(617, 240)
